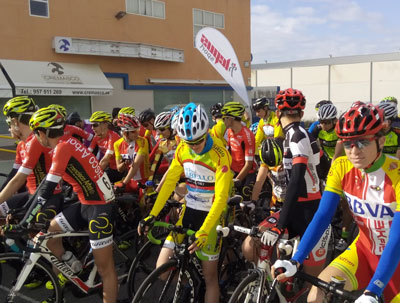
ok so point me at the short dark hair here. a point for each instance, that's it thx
(51, 133)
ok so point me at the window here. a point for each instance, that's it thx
(39, 8)
(203, 18)
(151, 8)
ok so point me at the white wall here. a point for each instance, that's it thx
(385, 80)
(348, 82)
(138, 99)
(313, 82)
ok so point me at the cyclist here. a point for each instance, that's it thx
(75, 164)
(166, 145)
(241, 144)
(104, 139)
(146, 119)
(75, 119)
(300, 159)
(317, 106)
(131, 153)
(72, 130)
(392, 142)
(268, 126)
(219, 129)
(271, 156)
(370, 181)
(206, 165)
(325, 130)
(32, 161)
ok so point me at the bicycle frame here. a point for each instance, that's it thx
(40, 249)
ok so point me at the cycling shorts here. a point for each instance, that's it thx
(193, 219)
(359, 264)
(97, 218)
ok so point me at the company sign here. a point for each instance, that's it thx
(218, 51)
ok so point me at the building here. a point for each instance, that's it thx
(343, 80)
(99, 54)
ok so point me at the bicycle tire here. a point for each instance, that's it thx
(11, 265)
(143, 264)
(247, 290)
(169, 289)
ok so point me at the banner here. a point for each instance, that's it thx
(219, 52)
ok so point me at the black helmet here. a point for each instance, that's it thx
(271, 152)
(260, 103)
(146, 115)
(72, 118)
(322, 102)
(215, 110)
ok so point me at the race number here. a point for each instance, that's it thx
(106, 188)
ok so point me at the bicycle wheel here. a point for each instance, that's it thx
(33, 290)
(232, 269)
(143, 264)
(162, 285)
(247, 291)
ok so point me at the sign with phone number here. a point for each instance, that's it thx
(61, 92)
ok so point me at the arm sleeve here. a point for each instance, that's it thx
(43, 193)
(10, 175)
(249, 149)
(389, 260)
(173, 175)
(260, 133)
(93, 143)
(223, 180)
(318, 225)
(292, 194)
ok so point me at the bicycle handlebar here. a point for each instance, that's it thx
(179, 229)
(326, 286)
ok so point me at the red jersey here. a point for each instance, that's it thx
(36, 162)
(74, 163)
(242, 148)
(106, 146)
(20, 154)
(72, 130)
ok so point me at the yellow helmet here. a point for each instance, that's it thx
(48, 118)
(126, 111)
(233, 109)
(100, 116)
(19, 105)
(60, 108)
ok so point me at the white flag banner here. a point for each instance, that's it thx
(219, 52)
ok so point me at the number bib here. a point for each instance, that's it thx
(105, 186)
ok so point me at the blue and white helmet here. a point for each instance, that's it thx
(254, 127)
(192, 122)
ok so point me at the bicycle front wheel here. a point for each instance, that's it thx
(248, 290)
(165, 284)
(34, 286)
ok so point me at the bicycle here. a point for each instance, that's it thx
(145, 260)
(259, 286)
(184, 279)
(36, 262)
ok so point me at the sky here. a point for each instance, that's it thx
(289, 30)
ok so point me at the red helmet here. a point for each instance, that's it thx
(128, 122)
(290, 99)
(361, 120)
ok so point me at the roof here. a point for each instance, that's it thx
(330, 61)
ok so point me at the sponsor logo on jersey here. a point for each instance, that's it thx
(368, 209)
(376, 187)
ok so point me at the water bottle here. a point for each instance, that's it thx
(12, 245)
(69, 258)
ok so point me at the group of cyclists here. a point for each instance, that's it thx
(350, 162)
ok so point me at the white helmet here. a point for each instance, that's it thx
(327, 112)
(163, 120)
(192, 122)
(390, 109)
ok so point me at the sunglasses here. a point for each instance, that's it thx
(360, 144)
(146, 124)
(161, 129)
(195, 142)
(95, 124)
(8, 121)
(326, 121)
